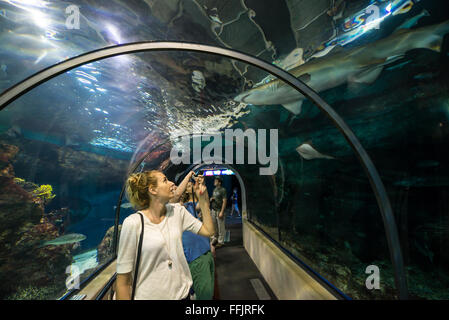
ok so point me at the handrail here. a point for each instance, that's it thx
(106, 287)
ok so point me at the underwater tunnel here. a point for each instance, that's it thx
(338, 152)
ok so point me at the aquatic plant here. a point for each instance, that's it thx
(36, 293)
(19, 181)
(105, 247)
(44, 192)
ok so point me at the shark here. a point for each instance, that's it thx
(362, 65)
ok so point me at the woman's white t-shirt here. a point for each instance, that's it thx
(156, 280)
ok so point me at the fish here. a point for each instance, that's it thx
(65, 239)
(336, 11)
(4, 67)
(399, 66)
(72, 140)
(424, 250)
(400, 7)
(362, 64)
(361, 234)
(293, 59)
(323, 52)
(414, 20)
(15, 131)
(198, 80)
(306, 151)
(126, 205)
(216, 19)
(435, 228)
(423, 181)
(347, 245)
(425, 76)
(77, 208)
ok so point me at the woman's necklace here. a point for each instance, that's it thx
(166, 243)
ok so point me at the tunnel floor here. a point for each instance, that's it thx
(237, 275)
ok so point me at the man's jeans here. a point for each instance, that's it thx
(219, 225)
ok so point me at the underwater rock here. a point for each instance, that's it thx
(22, 264)
(308, 152)
(7, 153)
(106, 245)
(16, 205)
(75, 167)
(73, 209)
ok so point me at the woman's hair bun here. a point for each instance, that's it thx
(137, 188)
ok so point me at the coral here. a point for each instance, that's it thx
(7, 153)
(44, 193)
(37, 293)
(19, 181)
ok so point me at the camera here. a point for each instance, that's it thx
(194, 176)
(198, 173)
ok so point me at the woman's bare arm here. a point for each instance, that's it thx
(123, 286)
(181, 188)
(207, 229)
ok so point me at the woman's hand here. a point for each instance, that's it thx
(201, 192)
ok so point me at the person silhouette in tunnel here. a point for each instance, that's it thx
(235, 202)
(163, 270)
(218, 206)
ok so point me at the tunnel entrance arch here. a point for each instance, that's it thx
(237, 174)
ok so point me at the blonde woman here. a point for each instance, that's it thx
(163, 270)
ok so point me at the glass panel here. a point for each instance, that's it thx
(329, 215)
(65, 153)
(76, 136)
(39, 33)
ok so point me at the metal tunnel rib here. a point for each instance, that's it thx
(381, 196)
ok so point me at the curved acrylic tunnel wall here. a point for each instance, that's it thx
(318, 205)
